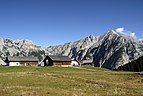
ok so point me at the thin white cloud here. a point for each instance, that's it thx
(140, 39)
(133, 34)
(126, 33)
(120, 30)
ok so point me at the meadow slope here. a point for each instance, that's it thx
(59, 81)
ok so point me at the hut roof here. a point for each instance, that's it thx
(60, 58)
(20, 59)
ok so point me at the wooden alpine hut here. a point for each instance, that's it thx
(50, 60)
(21, 61)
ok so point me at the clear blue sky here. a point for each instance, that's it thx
(54, 22)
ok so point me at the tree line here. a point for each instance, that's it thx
(136, 65)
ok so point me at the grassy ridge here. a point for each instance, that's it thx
(59, 81)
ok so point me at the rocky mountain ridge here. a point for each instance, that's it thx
(19, 48)
(109, 50)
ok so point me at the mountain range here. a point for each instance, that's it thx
(110, 50)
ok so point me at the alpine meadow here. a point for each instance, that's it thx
(71, 47)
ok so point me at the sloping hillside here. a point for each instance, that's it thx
(135, 65)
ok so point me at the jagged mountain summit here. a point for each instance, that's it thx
(115, 50)
(109, 50)
(73, 49)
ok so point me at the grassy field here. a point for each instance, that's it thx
(59, 81)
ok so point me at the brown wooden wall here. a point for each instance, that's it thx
(62, 63)
(28, 63)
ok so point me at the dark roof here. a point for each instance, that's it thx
(60, 58)
(18, 58)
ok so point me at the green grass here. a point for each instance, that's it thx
(60, 81)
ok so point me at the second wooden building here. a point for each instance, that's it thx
(57, 61)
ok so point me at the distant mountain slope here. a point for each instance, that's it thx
(19, 48)
(76, 49)
(109, 50)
